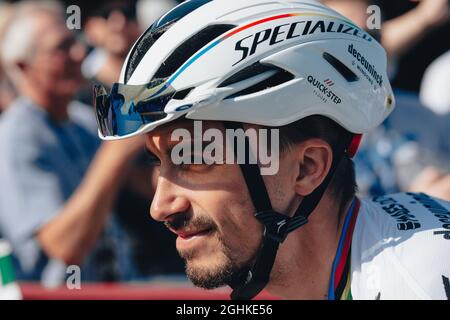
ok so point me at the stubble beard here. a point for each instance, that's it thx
(225, 273)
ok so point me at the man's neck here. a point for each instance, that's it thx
(304, 262)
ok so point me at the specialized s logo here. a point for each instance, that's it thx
(280, 224)
(322, 90)
(285, 32)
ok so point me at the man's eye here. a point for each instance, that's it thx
(194, 163)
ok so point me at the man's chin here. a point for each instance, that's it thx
(212, 266)
(208, 278)
(214, 275)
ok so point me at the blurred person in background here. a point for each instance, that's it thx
(418, 30)
(7, 92)
(58, 184)
(355, 10)
(413, 29)
(403, 154)
(419, 33)
(422, 17)
(406, 24)
(111, 28)
(434, 93)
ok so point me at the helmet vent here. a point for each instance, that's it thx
(180, 11)
(157, 29)
(144, 44)
(190, 47)
(281, 76)
(180, 95)
(348, 74)
(246, 73)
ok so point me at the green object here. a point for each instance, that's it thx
(7, 274)
(349, 297)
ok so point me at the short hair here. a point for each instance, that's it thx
(19, 39)
(343, 185)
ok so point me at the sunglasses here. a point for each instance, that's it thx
(127, 108)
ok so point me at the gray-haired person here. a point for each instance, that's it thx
(58, 184)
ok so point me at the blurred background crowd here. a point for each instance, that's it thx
(67, 198)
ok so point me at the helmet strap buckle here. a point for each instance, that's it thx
(275, 225)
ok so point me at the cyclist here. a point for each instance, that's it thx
(305, 70)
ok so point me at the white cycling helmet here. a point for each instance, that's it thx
(255, 61)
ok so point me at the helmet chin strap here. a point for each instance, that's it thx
(277, 226)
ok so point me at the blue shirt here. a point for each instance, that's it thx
(394, 154)
(42, 163)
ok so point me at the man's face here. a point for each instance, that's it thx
(115, 32)
(56, 63)
(121, 33)
(209, 208)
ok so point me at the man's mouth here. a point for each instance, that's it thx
(188, 235)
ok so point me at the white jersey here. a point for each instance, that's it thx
(401, 248)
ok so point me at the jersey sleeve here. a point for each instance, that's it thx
(401, 248)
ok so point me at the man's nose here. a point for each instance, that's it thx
(167, 200)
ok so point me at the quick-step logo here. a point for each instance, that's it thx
(322, 90)
(405, 220)
(361, 61)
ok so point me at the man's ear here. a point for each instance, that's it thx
(314, 160)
